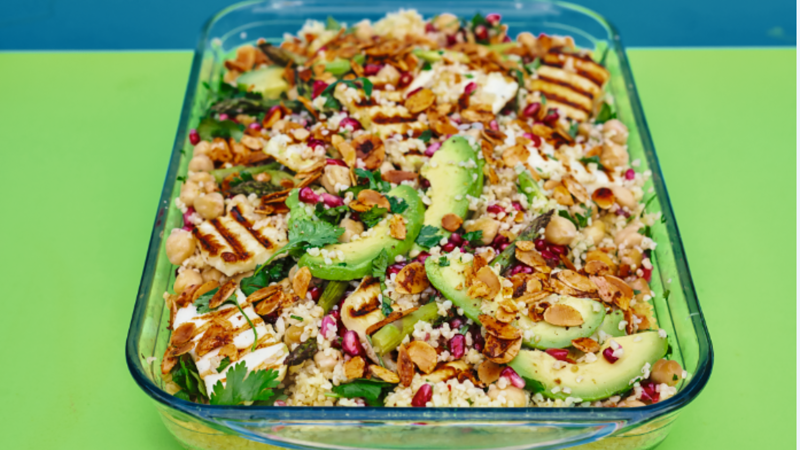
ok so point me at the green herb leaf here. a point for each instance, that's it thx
(376, 183)
(211, 128)
(533, 65)
(373, 216)
(533, 386)
(605, 114)
(426, 136)
(332, 24)
(473, 237)
(380, 264)
(566, 215)
(428, 237)
(242, 387)
(520, 78)
(275, 272)
(469, 76)
(371, 391)
(305, 234)
(426, 66)
(443, 261)
(573, 129)
(202, 302)
(332, 103)
(666, 294)
(398, 205)
(186, 376)
(331, 215)
(386, 306)
(463, 330)
(593, 160)
(296, 317)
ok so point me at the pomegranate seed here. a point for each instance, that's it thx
(280, 403)
(328, 323)
(532, 109)
(513, 377)
(517, 206)
(504, 246)
(493, 18)
(477, 340)
(649, 392)
(547, 254)
(494, 209)
(372, 69)
(558, 353)
(187, 228)
(429, 28)
(493, 125)
(499, 240)
(335, 162)
(630, 174)
(186, 221)
(422, 257)
(394, 268)
(350, 122)
(648, 274)
(350, 343)
(551, 117)
(521, 268)
(560, 249)
(332, 200)
(255, 126)
(194, 137)
(481, 33)
(317, 88)
(314, 143)
(470, 87)
(432, 149)
(223, 117)
(456, 323)
(456, 239)
(622, 212)
(457, 346)
(424, 183)
(608, 354)
(540, 244)
(405, 79)
(423, 396)
(449, 247)
(506, 39)
(537, 141)
(451, 39)
(315, 292)
(414, 92)
(308, 196)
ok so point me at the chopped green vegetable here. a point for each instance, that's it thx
(473, 237)
(392, 334)
(338, 67)
(302, 353)
(398, 205)
(379, 265)
(605, 114)
(376, 183)
(241, 387)
(275, 272)
(332, 25)
(426, 136)
(443, 261)
(371, 391)
(332, 294)
(593, 160)
(506, 257)
(331, 215)
(373, 216)
(186, 376)
(428, 237)
(225, 362)
(296, 317)
(211, 128)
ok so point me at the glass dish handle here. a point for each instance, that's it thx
(474, 435)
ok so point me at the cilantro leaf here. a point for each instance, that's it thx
(573, 129)
(473, 237)
(186, 376)
(566, 215)
(583, 220)
(443, 261)
(533, 65)
(398, 205)
(243, 387)
(593, 160)
(211, 128)
(370, 390)
(376, 183)
(426, 136)
(386, 306)
(304, 234)
(332, 24)
(380, 264)
(276, 271)
(428, 236)
(520, 78)
(331, 215)
(532, 385)
(332, 103)
(605, 114)
(226, 361)
(373, 216)
(202, 302)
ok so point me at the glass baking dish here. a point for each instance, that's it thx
(199, 426)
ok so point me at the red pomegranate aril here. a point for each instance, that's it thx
(405, 79)
(314, 143)
(559, 249)
(540, 244)
(255, 126)
(424, 183)
(423, 396)
(499, 240)
(422, 257)
(332, 200)
(186, 221)
(558, 353)
(350, 122)
(481, 33)
(493, 125)
(317, 88)
(493, 18)
(455, 239)
(649, 392)
(532, 109)
(279, 403)
(413, 92)
(648, 274)
(551, 118)
(622, 212)
(308, 196)
(457, 346)
(315, 293)
(517, 206)
(470, 87)
(335, 162)
(537, 141)
(513, 377)
(429, 28)
(547, 254)
(608, 354)
(451, 39)
(449, 247)
(328, 323)
(504, 246)
(350, 343)
(432, 149)
(456, 323)
(494, 209)
(630, 174)
(372, 69)
(187, 228)
(223, 117)
(394, 268)
(506, 39)
(194, 137)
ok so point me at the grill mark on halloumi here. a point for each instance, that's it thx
(207, 242)
(239, 252)
(566, 78)
(562, 94)
(586, 68)
(380, 119)
(238, 217)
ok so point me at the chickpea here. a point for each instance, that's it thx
(613, 155)
(585, 129)
(615, 131)
(210, 206)
(185, 279)
(489, 226)
(364, 31)
(209, 184)
(202, 148)
(327, 360)
(180, 245)
(335, 175)
(624, 197)
(630, 402)
(596, 231)
(351, 228)
(189, 192)
(560, 231)
(667, 372)
(515, 397)
(201, 163)
(293, 335)
(211, 274)
(446, 23)
(629, 236)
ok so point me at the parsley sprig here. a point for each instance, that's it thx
(428, 237)
(242, 387)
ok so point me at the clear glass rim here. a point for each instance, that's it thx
(556, 416)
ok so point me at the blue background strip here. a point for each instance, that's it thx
(175, 24)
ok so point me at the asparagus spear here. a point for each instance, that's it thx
(332, 294)
(506, 257)
(391, 335)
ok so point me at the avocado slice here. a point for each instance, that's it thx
(454, 172)
(358, 255)
(610, 324)
(598, 380)
(268, 81)
(543, 335)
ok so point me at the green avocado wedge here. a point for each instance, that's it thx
(358, 255)
(448, 278)
(454, 172)
(545, 335)
(599, 379)
(610, 324)
(268, 81)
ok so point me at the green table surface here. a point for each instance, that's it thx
(85, 142)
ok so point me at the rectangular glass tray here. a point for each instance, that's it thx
(238, 427)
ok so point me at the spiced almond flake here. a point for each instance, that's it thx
(412, 279)
(451, 222)
(562, 315)
(586, 345)
(384, 374)
(423, 355)
(397, 227)
(354, 367)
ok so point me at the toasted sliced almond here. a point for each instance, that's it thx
(369, 149)
(179, 350)
(562, 196)
(354, 367)
(494, 347)
(412, 279)
(397, 227)
(201, 290)
(515, 155)
(530, 258)
(623, 301)
(488, 277)
(525, 246)
(505, 316)
(384, 374)
(215, 336)
(271, 303)
(398, 176)
(576, 189)
(441, 124)
(182, 334)
(423, 355)
(536, 311)
(301, 281)
(489, 372)
(562, 315)
(630, 318)
(559, 287)
(586, 345)
(405, 367)
(474, 115)
(451, 222)
(443, 373)
(222, 294)
(535, 297)
(367, 199)
(394, 315)
(597, 267)
(603, 197)
(347, 151)
(511, 352)
(599, 255)
(478, 289)
(607, 291)
(420, 101)
(499, 329)
(576, 281)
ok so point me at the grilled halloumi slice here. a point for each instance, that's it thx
(382, 119)
(448, 82)
(232, 245)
